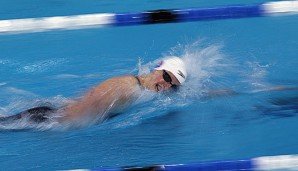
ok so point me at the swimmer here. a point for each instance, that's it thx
(110, 96)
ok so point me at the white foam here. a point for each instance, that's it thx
(3, 83)
(40, 66)
(64, 76)
(20, 91)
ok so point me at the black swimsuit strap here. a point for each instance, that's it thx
(139, 82)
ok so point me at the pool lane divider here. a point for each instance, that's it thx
(28, 25)
(282, 162)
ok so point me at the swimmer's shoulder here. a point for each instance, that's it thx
(126, 79)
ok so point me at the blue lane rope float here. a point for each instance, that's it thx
(148, 17)
(282, 162)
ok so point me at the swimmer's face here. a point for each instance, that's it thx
(164, 80)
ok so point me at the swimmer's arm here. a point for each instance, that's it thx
(226, 92)
(277, 88)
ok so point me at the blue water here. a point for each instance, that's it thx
(246, 56)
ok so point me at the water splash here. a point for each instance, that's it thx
(204, 64)
(255, 75)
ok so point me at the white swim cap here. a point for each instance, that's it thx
(175, 65)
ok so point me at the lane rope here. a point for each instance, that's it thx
(28, 25)
(282, 162)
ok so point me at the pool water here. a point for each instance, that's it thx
(249, 59)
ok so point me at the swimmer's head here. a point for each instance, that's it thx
(174, 65)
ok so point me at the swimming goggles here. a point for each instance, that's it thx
(168, 79)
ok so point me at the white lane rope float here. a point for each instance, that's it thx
(28, 25)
